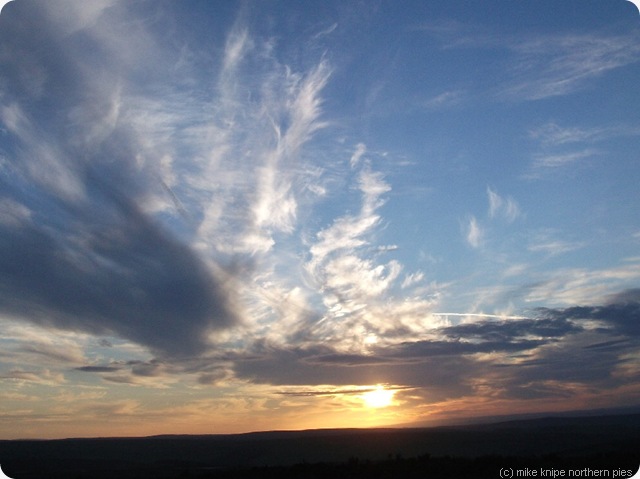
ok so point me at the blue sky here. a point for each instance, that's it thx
(233, 216)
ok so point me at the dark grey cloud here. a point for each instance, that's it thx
(555, 370)
(122, 379)
(509, 329)
(130, 279)
(628, 296)
(613, 345)
(509, 336)
(77, 249)
(560, 371)
(151, 368)
(212, 378)
(348, 359)
(621, 314)
(444, 376)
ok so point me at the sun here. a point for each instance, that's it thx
(378, 397)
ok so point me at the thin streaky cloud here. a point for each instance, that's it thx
(238, 43)
(361, 149)
(543, 66)
(559, 65)
(552, 134)
(326, 31)
(555, 247)
(447, 99)
(546, 164)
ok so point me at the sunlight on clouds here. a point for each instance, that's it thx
(334, 406)
(31, 345)
(629, 365)
(358, 292)
(360, 278)
(349, 232)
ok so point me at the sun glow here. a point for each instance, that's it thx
(378, 397)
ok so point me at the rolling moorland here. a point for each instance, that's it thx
(597, 443)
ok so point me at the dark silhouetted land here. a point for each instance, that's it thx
(602, 442)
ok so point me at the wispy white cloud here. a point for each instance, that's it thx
(473, 232)
(555, 65)
(12, 213)
(550, 242)
(446, 99)
(348, 232)
(554, 247)
(515, 270)
(546, 163)
(237, 45)
(42, 376)
(565, 146)
(361, 149)
(275, 205)
(43, 158)
(555, 161)
(543, 66)
(505, 207)
(583, 286)
(70, 16)
(552, 134)
(326, 31)
(412, 279)
(247, 200)
(357, 291)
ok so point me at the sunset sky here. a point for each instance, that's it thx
(220, 216)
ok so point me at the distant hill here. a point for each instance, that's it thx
(626, 410)
(562, 438)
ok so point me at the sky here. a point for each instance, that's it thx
(221, 217)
